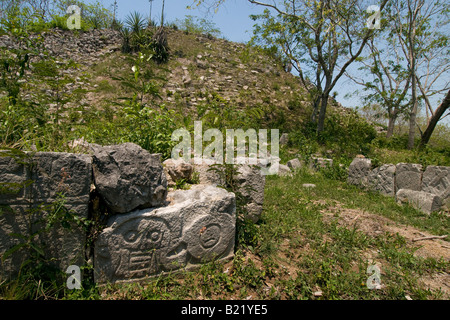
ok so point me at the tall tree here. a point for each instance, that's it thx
(438, 115)
(418, 25)
(384, 77)
(321, 37)
(408, 63)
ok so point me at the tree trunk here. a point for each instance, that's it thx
(322, 113)
(412, 123)
(434, 120)
(413, 11)
(316, 105)
(413, 113)
(391, 123)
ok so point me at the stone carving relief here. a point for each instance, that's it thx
(153, 241)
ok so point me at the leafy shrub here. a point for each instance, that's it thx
(196, 25)
(396, 142)
(159, 46)
(18, 118)
(93, 15)
(335, 172)
(307, 146)
(37, 18)
(150, 128)
(347, 134)
(144, 123)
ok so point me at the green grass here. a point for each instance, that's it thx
(294, 253)
(300, 247)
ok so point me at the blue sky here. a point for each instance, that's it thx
(232, 18)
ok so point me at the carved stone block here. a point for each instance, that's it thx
(382, 179)
(358, 172)
(436, 180)
(197, 227)
(408, 176)
(37, 187)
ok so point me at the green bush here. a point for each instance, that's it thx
(347, 134)
(196, 25)
(35, 19)
(150, 128)
(337, 171)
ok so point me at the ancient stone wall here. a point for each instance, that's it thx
(83, 47)
(426, 189)
(148, 229)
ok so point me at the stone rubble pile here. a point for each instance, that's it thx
(427, 190)
(86, 47)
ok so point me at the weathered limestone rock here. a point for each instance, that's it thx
(408, 176)
(177, 170)
(251, 184)
(249, 180)
(284, 139)
(284, 170)
(209, 172)
(436, 180)
(198, 226)
(382, 179)
(424, 201)
(358, 172)
(32, 184)
(294, 164)
(128, 177)
(318, 162)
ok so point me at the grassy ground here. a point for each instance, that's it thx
(311, 243)
(317, 244)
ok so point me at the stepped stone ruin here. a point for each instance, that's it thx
(428, 190)
(150, 229)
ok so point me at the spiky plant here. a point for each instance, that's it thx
(135, 21)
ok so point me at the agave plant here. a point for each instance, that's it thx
(95, 22)
(160, 46)
(126, 37)
(135, 21)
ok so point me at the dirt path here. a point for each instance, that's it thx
(375, 225)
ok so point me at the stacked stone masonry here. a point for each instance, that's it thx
(427, 190)
(149, 228)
